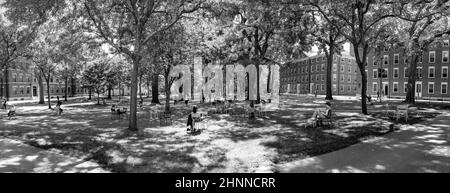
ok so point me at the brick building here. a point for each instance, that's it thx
(23, 85)
(308, 75)
(432, 73)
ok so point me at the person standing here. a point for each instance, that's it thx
(4, 104)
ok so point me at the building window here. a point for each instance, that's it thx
(375, 74)
(432, 58)
(386, 60)
(342, 68)
(395, 87)
(375, 87)
(431, 88)
(322, 77)
(444, 88)
(406, 72)
(396, 73)
(323, 67)
(335, 77)
(446, 43)
(335, 67)
(396, 59)
(431, 72)
(342, 78)
(419, 72)
(323, 87)
(28, 90)
(385, 74)
(421, 59)
(405, 87)
(349, 69)
(349, 79)
(444, 71)
(349, 88)
(342, 88)
(334, 87)
(445, 56)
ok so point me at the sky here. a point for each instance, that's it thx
(315, 50)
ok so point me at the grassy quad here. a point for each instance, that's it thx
(230, 144)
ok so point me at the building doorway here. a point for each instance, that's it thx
(311, 88)
(34, 91)
(419, 89)
(386, 90)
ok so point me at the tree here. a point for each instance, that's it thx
(14, 39)
(128, 25)
(19, 27)
(114, 74)
(264, 31)
(424, 22)
(43, 54)
(330, 42)
(171, 51)
(95, 78)
(361, 23)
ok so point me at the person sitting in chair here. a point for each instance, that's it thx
(192, 118)
(58, 108)
(113, 108)
(12, 112)
(319, 114)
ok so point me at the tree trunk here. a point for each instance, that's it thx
(167, 91)
(98, 98)
(329, 74)
(364, 93)
(6, 83)
(155, 89)
(41, 89)
(133, 101)
(140, 88)
(90, 94)
(66, 89)
(109, 92)
(148, 89)
(411, 91)
(48, 93)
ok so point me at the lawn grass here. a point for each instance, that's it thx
(230, 144)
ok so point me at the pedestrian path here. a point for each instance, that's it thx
(16, 157)
(418, 148)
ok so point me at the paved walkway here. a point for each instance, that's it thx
(419, 148)
(16, 157)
